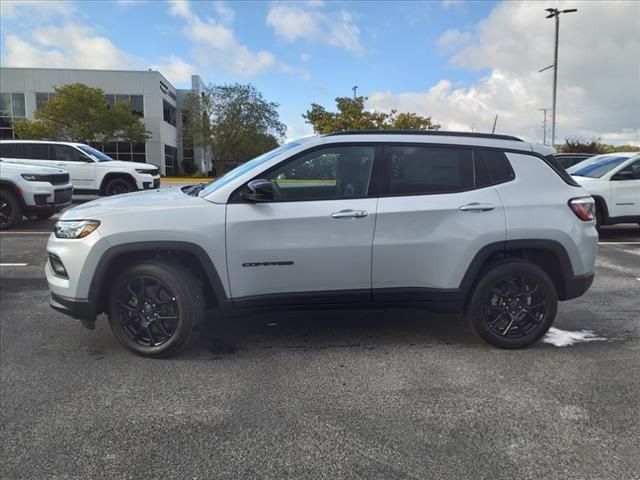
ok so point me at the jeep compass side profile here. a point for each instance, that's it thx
(456, 222)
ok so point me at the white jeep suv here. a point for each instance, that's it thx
(486, 224)
(31, 191)
(613, 180)
(92, 172)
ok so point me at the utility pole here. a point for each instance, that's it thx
(544, 125)
(354, 88)
(555, 13)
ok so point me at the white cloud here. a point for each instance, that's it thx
(452, 40)
(37, 9)
(175, 69)
(598, 74)
(215, 44)
(309, 21)
(224, 12)
(305, 57)
(452, 3)
(65, 47)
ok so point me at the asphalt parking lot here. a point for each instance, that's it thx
(324, 394)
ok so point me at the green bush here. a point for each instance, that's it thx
(199, 175)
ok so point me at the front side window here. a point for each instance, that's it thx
(328, 173)
(633, 169)
(417, 170)
(65, 153)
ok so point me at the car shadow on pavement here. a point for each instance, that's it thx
(331, 329)
(620, 233)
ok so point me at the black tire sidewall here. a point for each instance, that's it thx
(189, 298)
(16, 209)
(477, 313)
(108, 189)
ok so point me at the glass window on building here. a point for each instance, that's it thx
(138, 105)
(170, 155)
(12, 108)
(169, 113)
(126, 151)
(42, 97)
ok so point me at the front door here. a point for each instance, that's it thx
(312, 243)
(80, 167)
(626, 192)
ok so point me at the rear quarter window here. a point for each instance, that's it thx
(492, 167)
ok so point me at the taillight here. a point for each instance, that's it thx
(584, 208)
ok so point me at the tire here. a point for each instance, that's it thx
(156, 308)
(10, 209)
(513, 304)
(119, 185)
(599, 216)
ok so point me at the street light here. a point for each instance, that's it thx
(554, 12)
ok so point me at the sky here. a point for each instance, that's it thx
(459, 62)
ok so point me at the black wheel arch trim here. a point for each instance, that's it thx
(571, 285)
(112, 175)
(605, 208)
(112, 254)
(12, 187)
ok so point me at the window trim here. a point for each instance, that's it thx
(374, 180)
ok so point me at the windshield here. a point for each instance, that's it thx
(97, 154)
(596, 169)
(245, 167)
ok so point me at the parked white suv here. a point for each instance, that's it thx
(613, 180)
(448, 221)
(92, 172)
(31, 191)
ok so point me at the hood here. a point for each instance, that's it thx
(16, 167)
(132, 204)
(126, 165)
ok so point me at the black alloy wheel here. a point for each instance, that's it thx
(513, 304)
(10, 211)
(156, 308)
(148, 311)
(118, 186)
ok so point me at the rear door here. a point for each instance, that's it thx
(312, 243)
(81, 168)
(435, 214)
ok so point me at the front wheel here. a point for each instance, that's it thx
(513, 304)
(10, 210)
(117, 186)
(156, 309)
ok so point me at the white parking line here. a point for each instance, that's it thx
(13, 264)
(618, 243)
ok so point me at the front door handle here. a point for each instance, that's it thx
(477, 207)
(350, 214)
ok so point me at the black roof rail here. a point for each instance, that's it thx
(439, 133)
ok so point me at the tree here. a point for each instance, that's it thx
(592, 145)
(233, 123)
(79, 113)
(352, 115)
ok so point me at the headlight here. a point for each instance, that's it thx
(31, 177)
(75, 228)
(145, 171)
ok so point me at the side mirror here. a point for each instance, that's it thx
(624, 175)
(260, 190)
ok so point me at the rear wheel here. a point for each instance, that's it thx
(119, 185)
(513, 304)
(156, 309)
(10, 210)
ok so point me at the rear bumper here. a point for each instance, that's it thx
(82, 310)
(577, 286)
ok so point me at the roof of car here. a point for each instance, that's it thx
(41, 141)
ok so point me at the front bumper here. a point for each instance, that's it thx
(82, 310)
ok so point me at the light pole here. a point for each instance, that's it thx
(355, 89)
(555, 13)
(544, 125)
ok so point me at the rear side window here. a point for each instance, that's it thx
(425, 170)
(492, 167)
(8, 150)
(33, 151)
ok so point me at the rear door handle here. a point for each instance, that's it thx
(350, 214)
(477, 207)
